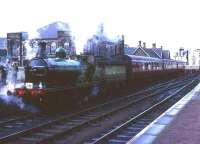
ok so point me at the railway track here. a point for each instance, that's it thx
(16, 117)
(122, 133)
(53, 128)
(9, 115)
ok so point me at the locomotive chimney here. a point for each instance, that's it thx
(144, 45)
(154, 45)
(42, 52)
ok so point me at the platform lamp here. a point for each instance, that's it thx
(161, 47)
(187, 57)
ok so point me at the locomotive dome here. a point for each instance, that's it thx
(61, 53)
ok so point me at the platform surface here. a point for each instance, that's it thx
(178, 125)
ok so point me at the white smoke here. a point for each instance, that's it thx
(100, 39)
(11, 83)
(9, 99)
(31, 51)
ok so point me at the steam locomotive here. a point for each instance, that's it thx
(50, 80)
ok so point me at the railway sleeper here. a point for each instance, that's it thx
(129, 133)
(32, 139)
(134, 129)
(138, 125)
(114, 141)
(44, 134)
(9, 126)
(76, 121)
(72, 123)
(123, 137)
(63, 127)
(53, 131)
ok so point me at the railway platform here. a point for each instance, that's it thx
(180, 124)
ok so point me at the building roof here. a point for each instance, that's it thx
(158, 51)
(129, 50)
(141, 52)
(151, 53)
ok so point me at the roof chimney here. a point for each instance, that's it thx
(144, 45)
(140, 44)
(154, 45)
(122, 46)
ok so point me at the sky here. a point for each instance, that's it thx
(170, 23)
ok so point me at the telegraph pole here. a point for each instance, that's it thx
(20, 50)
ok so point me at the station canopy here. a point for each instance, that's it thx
(143, 59)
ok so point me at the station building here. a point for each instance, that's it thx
(100, 45)
(142, 50)
(15, 46)
(194, 59)
(107, 48)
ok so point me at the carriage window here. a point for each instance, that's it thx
(37, 63)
